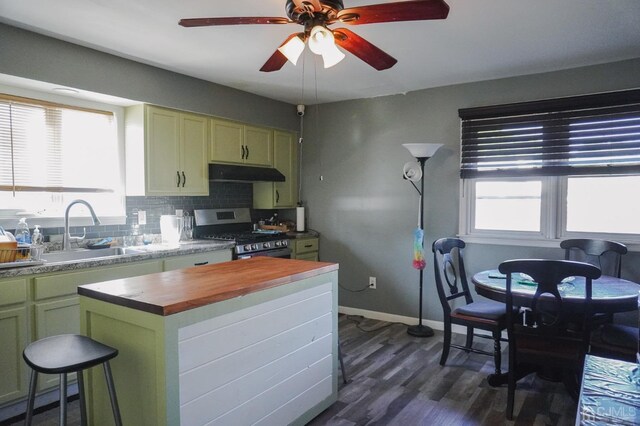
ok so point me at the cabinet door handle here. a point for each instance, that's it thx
(184, 179)
(277, 196)
(247, 151)
(178, 173)
(243, 154)
(308, 245)
(201, 264)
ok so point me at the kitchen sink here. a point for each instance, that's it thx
(83, 254)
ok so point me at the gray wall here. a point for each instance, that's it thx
(366, 212)
(33, 56)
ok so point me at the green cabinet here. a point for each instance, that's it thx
(237, 143)
(305, 248)
(14, 336)
(166, 152)
(198, 259)
(275, 195)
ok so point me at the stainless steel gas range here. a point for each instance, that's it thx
(235, 225)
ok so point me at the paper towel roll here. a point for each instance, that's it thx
(300, 219)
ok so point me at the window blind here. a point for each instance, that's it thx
(51, 148)
(591, 134)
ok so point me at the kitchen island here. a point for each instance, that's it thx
(241, 342)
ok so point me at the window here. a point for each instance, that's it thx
(553, 169)
(51, 154)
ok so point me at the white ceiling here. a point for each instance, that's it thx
(480, 40)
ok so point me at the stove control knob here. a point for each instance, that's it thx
(247, 247)
(285, 243)
(266, 245)
(254, 246)
(278, 243)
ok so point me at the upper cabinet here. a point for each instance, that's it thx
(172, 146)
(275, 195)
(237, 143)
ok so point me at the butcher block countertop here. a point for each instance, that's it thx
(171, 292)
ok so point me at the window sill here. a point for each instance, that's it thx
(9, 223)
(528, 242)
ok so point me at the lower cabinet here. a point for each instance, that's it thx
(14, 336)
(39, 306)
(198, 259)
(305, 248)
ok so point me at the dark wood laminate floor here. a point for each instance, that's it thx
(396, 379)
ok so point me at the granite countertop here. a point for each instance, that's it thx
(152, 251)
(171, 292)
(292, 235)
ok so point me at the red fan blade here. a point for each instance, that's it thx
(416, 10)
(277, 60)
(363, 49)
(314, 4)
(205, 22)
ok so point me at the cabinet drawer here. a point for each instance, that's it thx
(308, 256)
(198, 259)
(13, 291)
(65, 284)
(307, 245)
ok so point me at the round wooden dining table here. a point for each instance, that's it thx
(609, 294)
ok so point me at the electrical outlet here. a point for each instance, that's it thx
(142, 217)
(372, 283)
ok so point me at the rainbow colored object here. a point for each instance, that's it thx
(418, 249)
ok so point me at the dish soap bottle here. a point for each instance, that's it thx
(22, 232)
(37, 244)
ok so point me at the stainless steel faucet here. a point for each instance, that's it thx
(66, 238)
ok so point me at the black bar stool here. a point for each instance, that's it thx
(68, 353)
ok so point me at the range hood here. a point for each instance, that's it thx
(230, 173)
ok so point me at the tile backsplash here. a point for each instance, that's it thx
(221, 195)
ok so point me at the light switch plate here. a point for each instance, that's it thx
(142, 217)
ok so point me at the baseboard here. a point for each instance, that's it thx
(384, 316)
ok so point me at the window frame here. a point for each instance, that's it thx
(9, 222)
(553, 217)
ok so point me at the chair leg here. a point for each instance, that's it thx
(112, 394)
(63, 399)
(447, 341)
(511, 384)
(83, 402)
(469, 343)
(344, 374)
(33, 382)
(497, 352)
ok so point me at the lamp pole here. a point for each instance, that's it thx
(422, 152)
(420, 330)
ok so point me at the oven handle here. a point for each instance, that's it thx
(284, 253)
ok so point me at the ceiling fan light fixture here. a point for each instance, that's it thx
(292, 49)
(331, 57)
(321, 40)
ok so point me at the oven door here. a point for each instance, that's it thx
(283, 253)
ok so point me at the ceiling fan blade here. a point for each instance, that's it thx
(205, 22)
(364, 50)
(416, 10)
(314, 4)
(277, 60)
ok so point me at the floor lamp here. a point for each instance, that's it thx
(422, 152)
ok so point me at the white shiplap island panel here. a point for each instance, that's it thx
(249, 365)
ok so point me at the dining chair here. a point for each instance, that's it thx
(596, 252)
(486, 315)
(545, 334)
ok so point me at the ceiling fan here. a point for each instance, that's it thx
(316, 15)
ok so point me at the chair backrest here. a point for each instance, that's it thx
(448, 264)
(606, 255)
(548, 325)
